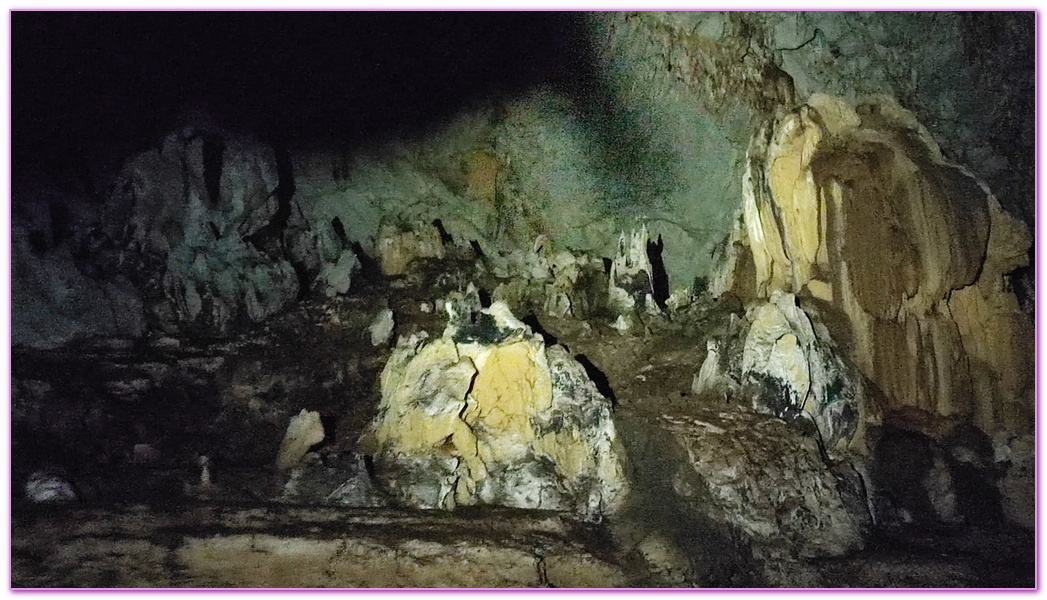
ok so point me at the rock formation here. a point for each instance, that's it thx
(202, 206)
(855, 207)
(804, 377)
(715, 280)
(304, 431)
(486, 414)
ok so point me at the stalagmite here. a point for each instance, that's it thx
(304, 431)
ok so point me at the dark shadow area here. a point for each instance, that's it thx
(532, 321)
(339, 231)
(635, 158)
(85, 83)
(943, 556)
(598, 378)
(369, 267)
(659, 278)
(717, 554)
(445, 238)
(214, 148)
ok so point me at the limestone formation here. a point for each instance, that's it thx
(397, 248)
(207, 228)
(763, 477)
(382, 328)
(335, 277)
(856, 207)
(303, 432)
(486, 414)
(710, 378)
(631, 277)
(555, 281)
(862, 301)
(804, 376)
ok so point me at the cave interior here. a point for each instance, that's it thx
(522, 299)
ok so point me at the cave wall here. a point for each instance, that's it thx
(545, 165)
(967, 76)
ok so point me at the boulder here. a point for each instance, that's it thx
(487, 414)
(767, 479)
(804, 375)
(744, 497)
(382, 327)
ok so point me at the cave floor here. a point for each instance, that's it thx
(126, 423)
(275, 546)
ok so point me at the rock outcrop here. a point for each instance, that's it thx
(203, 207)
(486, 414)
(804, 377)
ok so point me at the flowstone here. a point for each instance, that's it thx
(858, 207)
(487, 414)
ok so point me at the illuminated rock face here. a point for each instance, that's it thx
(397, 249)
(486, 414)
(857, 207)
(805, 375)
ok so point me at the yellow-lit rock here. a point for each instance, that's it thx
(820, 290)
(513, 382)
(795, 194)
(856, 206)
(486, 414)
(998, 337)
(761, 229)
(396, 249)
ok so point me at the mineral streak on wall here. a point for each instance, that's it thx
(857, 207)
